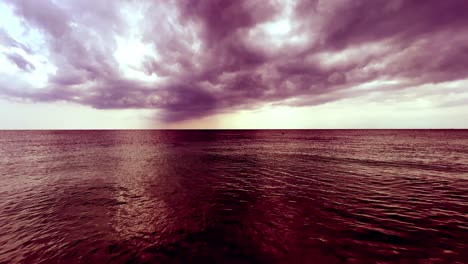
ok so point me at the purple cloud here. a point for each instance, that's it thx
(8, 41)
(216, 56)
(20, 62)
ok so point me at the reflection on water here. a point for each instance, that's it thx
(234, 196)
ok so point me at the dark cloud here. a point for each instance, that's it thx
(220, 20)
(215, 56)
(403, 20)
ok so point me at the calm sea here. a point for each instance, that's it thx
(293, 196)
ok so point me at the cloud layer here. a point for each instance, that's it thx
(191, 59)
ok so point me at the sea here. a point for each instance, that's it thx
(234, 196)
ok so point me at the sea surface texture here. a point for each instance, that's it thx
(305, 196)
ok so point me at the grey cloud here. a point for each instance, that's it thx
(20, 62)
(211, 63)
(8, 41)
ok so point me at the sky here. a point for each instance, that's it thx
(147, 64)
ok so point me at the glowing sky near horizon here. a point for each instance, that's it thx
(233, 64)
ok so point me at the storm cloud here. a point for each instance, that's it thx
(190, 59)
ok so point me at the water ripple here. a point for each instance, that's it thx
(234, 196)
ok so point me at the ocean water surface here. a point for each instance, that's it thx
(266, 196)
